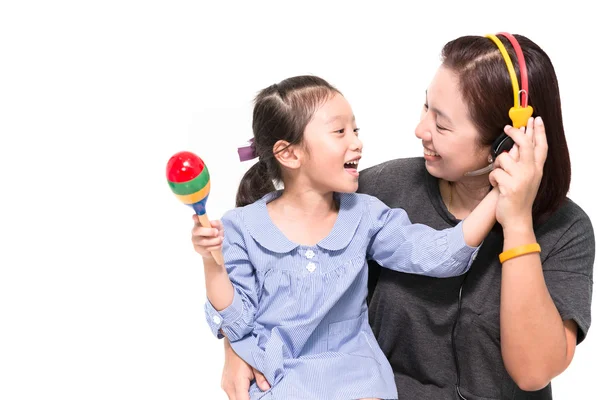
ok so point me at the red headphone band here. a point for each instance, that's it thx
(522, 67)
(520, 112)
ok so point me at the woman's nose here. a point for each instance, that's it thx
(422, 130)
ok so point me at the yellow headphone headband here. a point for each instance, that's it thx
(519, 113)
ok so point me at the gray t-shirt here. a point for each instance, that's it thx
(413, 316)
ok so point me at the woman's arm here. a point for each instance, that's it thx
(536, 343)
(237, 376)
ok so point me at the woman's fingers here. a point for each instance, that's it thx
(541, 144)
(524, 142)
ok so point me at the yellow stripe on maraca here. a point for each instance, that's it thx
(195, 197)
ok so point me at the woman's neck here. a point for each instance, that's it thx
(461, 197)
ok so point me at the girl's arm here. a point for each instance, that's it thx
(480, 221)
(231, 288)
(398, 244)
(219, 289)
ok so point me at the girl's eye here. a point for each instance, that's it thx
(425, 106)
(440, 128)
(344, 130)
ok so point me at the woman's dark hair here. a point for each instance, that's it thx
(486, 88)
(281, 112)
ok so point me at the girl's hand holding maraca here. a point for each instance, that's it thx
(188, 178)
(207, 240)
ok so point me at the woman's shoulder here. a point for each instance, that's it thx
(392, 177)
(568, 235)
(391, 168)
(570, 217)
(574, 210)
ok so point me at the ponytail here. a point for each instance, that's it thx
(255, 183)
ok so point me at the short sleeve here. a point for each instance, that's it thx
(237, 320)
(568, 271)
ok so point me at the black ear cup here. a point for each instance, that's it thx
(501, 144)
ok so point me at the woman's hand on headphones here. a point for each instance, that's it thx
(518, 174)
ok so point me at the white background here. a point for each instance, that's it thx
(101, 293)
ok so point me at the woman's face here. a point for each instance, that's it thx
(450, 140)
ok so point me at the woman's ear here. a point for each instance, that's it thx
(287, 155)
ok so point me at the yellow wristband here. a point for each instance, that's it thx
(519, 251)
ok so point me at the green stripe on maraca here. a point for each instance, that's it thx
(191, 186)
(195, 197)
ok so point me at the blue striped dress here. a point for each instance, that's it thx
(299, 313)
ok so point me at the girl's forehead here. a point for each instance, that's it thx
(335, 109)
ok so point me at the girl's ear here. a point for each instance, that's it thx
(288, 155)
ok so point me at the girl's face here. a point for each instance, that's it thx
(332, 148)
(450, 140)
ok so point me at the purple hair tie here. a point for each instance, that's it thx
(247, 152)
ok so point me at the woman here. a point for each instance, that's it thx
(502, 330)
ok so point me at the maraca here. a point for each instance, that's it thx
(189, 180)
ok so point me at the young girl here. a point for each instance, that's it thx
(291, 297)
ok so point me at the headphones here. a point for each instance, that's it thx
(520, 112)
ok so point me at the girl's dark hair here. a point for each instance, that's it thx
(486, 88)
(281, 112)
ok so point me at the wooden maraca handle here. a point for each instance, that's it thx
(217, 254)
